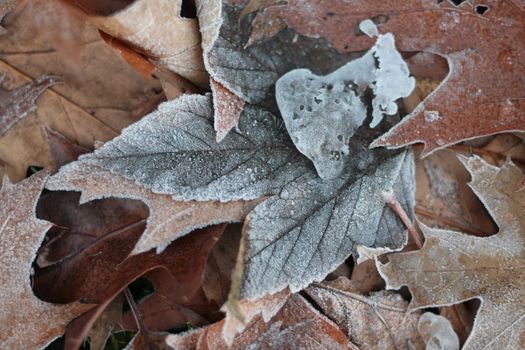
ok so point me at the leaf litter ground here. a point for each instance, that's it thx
(299, 228)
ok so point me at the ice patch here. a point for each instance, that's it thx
(322, 113)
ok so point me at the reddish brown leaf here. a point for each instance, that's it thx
(100, 7)
(444, 199)
(264, 27)
(217, 275)
(132, 57)
(87, 258)
(100, 96)
(80, 327)
(62, 149)
(227, 109)
(173, 304)
(521, 187)
(296, 326)
(79, 227)
(483, 93)
(157, 29)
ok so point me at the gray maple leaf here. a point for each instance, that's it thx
(173, 151)
(307, 228)
(313, 225)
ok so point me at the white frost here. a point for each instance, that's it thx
(431, 116)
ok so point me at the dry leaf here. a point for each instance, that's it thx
(174, 85)
(217, 275)
(471, 39)
(453, 267)
(503, 146)
(264, 27)
(81, 252)
(97, 323)
(87, 107)
(309, 226)
(6, 6)
(100, 83)
(168, 219)
(240, 312)
(227, 108)
(157, 28)
(101, 330)
(26, 322)
(444, 199)
(132, 57)
(171, 306)
(86, 255)
(296, 326)
(365, 277)
(17, 103)
(25, 144)
(62, 150)
(377, 322)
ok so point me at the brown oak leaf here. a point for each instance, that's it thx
(86, 256)
(296, 326)
(26, 322)
(157, 28)
(87, 106)
(378, 321)
(453, 267)
(474, 36)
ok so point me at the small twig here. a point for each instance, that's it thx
(143, 330)
(390, 199)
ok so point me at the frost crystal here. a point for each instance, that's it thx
(322, 113)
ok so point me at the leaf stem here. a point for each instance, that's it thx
(390, 199)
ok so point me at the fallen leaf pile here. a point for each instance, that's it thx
(249, 174)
